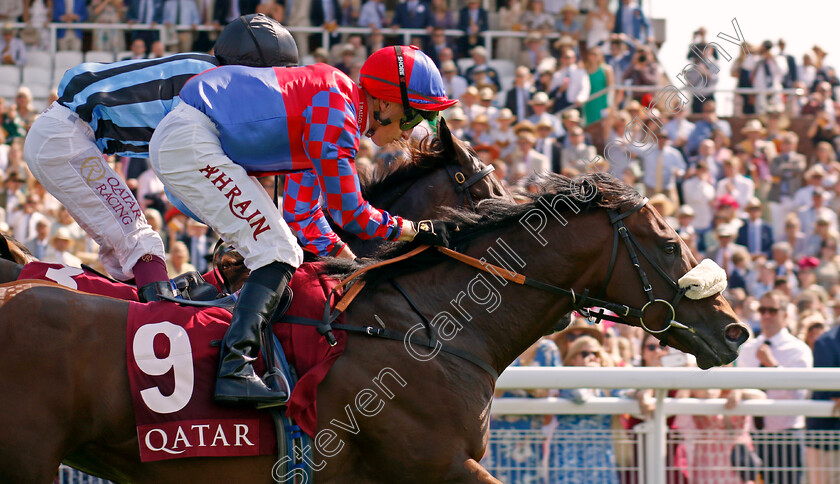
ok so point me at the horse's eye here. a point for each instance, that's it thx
(671, 249)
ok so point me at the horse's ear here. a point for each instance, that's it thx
(446, 139)
(13, 250)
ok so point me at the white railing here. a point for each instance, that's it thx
(662, 380)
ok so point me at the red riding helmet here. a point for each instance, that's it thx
(416, 85)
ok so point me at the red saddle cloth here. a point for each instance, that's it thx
(172, 368)
(79, 279)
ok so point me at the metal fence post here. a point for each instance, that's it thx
(656, 449)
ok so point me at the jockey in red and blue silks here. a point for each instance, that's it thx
(307, 121)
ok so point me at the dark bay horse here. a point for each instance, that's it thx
(65, 390)
(442, 172)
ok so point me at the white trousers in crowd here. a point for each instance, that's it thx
(61, 153)
(187, 156)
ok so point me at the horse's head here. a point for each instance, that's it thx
(698, 321)
(11, 249)
(443, 172)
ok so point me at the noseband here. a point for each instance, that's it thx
(620, 230)
(463, 184)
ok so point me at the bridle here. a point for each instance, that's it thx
(620, 230)
(463, 184)
(582, 303)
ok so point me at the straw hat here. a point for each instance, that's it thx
(572, 115)
(505, 114)
(62, 234)
(539, 98)
(753, 202)
(665, 203)
(569, 8)
(479, 50)
(456, 114)
(580, 325)
(685, 211)
(753, 126)
(725, 230)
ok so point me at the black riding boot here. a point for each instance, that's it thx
(152, 290)
(257, 302)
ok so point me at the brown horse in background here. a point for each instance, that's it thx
(65, 390)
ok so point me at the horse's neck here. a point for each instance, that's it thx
(493, 319)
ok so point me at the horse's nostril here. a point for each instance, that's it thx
(737, 333)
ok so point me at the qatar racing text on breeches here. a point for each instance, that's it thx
(62, 155)
(188, 157)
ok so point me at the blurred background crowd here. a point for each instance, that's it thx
(758, 192)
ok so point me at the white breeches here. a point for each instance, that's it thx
(61, 153)
(187, 156)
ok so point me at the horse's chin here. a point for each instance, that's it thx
(707, 356)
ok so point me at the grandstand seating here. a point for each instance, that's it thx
(99, 56)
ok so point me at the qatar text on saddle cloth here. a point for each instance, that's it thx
(172, 368)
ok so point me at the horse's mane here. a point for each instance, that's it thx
(494, 214)
(425, 156)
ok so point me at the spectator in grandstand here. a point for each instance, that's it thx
(788, 63)
(60, 250)
(823, 457)
(437, 42)
(473, 20)
(793, 235)
(527, 165)
(519, 96)
(644, 72)
(536, 19)
(10, 122)
(806, 72)
(178, 261)
(711, 461)
(825, 157)
(726, 247)
(200, 243)
(600, 78)
(822, 234)
(138, 49)
(157, 50)
(65, 220)
(568, 26)
(480, 58)
(735, 184)
(40, 244)
(814, 177)
(108, 12)
(539, 106)
(620, 56)
(412, 14)
(571, 82)
(704, 128)
(576, 157)
(480, 131)
(767, 75)
(457, 121)
(816, 212)
(12, 49)
(742, 68)
(25, 109)
(328, 15)
(180, 13)
(778, 440)
(824, 127)
(11, 196)
(549, 146)
(70, 11)
(707, 154)
(24, 219)
(755, 234)
(661, 166)
(581, 446)
(631, 21)
(599, 22)
(372, 14)
(699, 194)
(455, 85)
(503, 136)
(534, 53)
(508, 15)
(516, 454)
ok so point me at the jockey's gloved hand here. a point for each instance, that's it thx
(434, 232)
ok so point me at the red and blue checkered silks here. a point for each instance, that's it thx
(301, 121)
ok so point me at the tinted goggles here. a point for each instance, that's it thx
(413, 117)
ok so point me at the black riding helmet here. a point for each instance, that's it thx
(256, 40)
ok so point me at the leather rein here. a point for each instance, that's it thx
(582, 303)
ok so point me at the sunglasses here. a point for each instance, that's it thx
(587, 354)
(765, 309)
(413, 117)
